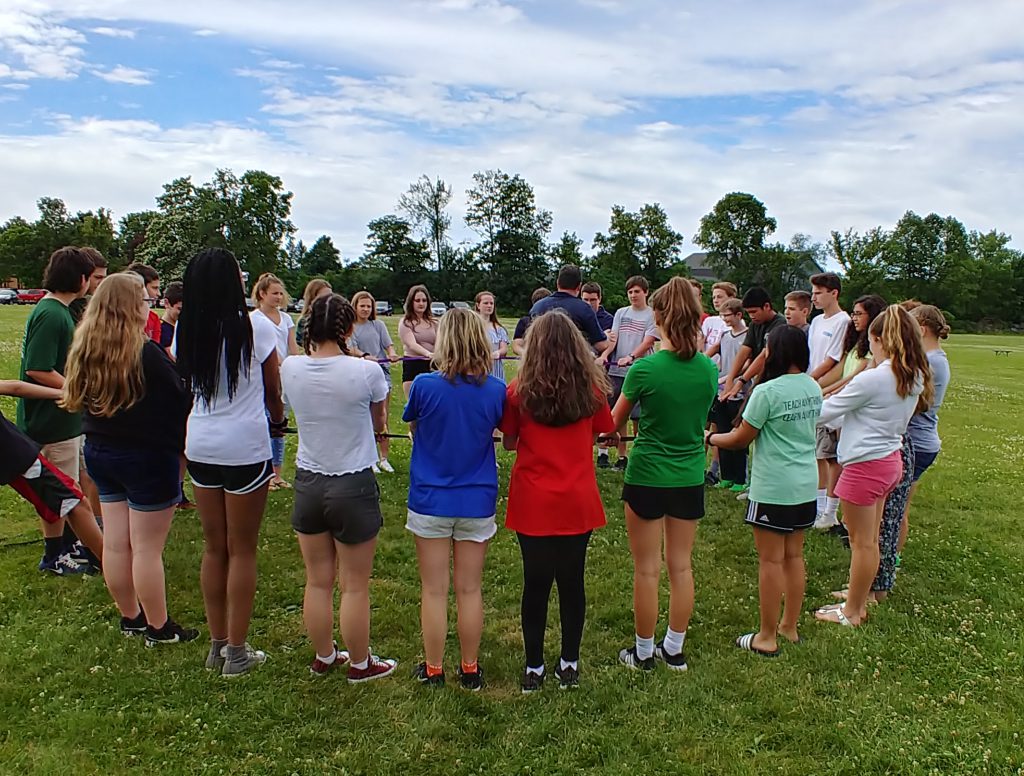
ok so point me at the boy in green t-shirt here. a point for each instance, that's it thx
(48, 334)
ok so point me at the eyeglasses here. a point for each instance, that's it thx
(857, 314)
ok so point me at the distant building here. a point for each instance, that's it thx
(702, 271)
(9, 283)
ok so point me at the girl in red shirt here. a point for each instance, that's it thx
(555, 407)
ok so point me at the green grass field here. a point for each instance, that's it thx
(933, 684)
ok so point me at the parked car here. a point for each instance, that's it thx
(384, 308)
(295, 305)
(461, 305)
(30, 296)
(8, 295)
(437, 308)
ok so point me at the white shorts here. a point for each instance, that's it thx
(461, 529)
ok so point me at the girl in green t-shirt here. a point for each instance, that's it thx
(664, 481)
(781, 415)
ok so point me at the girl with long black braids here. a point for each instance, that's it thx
(230, 363)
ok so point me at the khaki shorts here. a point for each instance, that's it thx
(460, 529)
(66, 456)
(826, 444)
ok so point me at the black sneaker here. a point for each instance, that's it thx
(629, 659)
(420, 675)
(531, 682)
(170, 633)
(603, 462)
(620, 464)
(672, 662)
(710, 478)
(474, 681)
(135, 626)
(568, 678)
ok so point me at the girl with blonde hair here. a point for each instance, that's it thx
(555, 407)
(370, 339)
(875, 407)
(453, 488)
(134, 409)
(271, 300)
(663, 486)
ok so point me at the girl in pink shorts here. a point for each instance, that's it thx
(873, 410)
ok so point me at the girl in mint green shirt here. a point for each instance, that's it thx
(779, 420)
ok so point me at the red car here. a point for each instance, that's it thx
(30, 296)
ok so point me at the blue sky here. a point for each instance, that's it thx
(836, 115)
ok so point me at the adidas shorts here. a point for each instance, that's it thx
(782, 518)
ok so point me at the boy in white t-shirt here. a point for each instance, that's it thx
(714, 326)
(825, 339)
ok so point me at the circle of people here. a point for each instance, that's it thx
(801, 418)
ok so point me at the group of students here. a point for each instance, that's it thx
(217, 397)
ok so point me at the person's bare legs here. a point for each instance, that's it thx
(244, 514)
(771, 554)
(213, 575)
(433, 557)
(679, 538)
(117, 558)
(795, 576)
(355, 566)
(92, 495)
(318, 601)
(148, 532)
(83, 523)
(645, 537)
(469, 602)
(863, 523)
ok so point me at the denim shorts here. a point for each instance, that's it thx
(922, 462)
(148, 479)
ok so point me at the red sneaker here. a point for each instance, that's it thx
(376, 668)
(319, 668)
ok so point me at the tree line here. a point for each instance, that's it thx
(977, 278)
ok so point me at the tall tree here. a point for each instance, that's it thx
(426, 203)
(393, 258)
(641, 243)
(733, 234)
(568, 250)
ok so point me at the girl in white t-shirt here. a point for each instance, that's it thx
(271, 299)
(337, 502)
(229, 361)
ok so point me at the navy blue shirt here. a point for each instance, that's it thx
(582, 314)
(453, 472)
(604, 318)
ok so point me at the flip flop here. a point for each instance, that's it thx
(746, 641)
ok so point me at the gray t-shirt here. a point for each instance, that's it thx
(631, 326)
(924, 426)
(729, 345)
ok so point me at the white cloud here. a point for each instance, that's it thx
(113, 32)
(36, 47)
(124, 75)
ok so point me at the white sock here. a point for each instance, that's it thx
(360, 666)
(822, 496)
(673, 643)
(328, 660)
(644, 647)
(569, 664)
(536, 671)
(602, 453)
(831, 506)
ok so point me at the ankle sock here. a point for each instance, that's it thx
(602, 453)
(328, 660)
(361, 665)
(673, 643)
(831, 506)
(233, 653)
(644, 647)
(568, 664)
(537, 671)
(432, 670)
(470, 668)
(820, 500)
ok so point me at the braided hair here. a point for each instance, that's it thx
(331, 319)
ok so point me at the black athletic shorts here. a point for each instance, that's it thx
(782, 518)
(49, 490)
(412, 368)
(236, 480)
(651, 503)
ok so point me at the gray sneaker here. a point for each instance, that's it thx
(215, 660)
(240, 660)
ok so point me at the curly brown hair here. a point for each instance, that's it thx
(559, 382)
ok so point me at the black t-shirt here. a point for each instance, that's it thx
(17, 452)
(758, 333)
(521, 327)
(582, 314)
(158, 419)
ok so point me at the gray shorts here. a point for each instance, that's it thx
(826, 444)
(617, 382)
(346, 505)
(460, 529)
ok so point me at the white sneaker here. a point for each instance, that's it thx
(744, 496)
(824, 521)
(375, 469)
(385, 466)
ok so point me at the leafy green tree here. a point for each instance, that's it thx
(568, 250)
(394, 259)
(322, 258)
(21, 253)
(734, 233)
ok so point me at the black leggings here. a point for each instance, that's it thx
(732, 464)
(548, 559)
